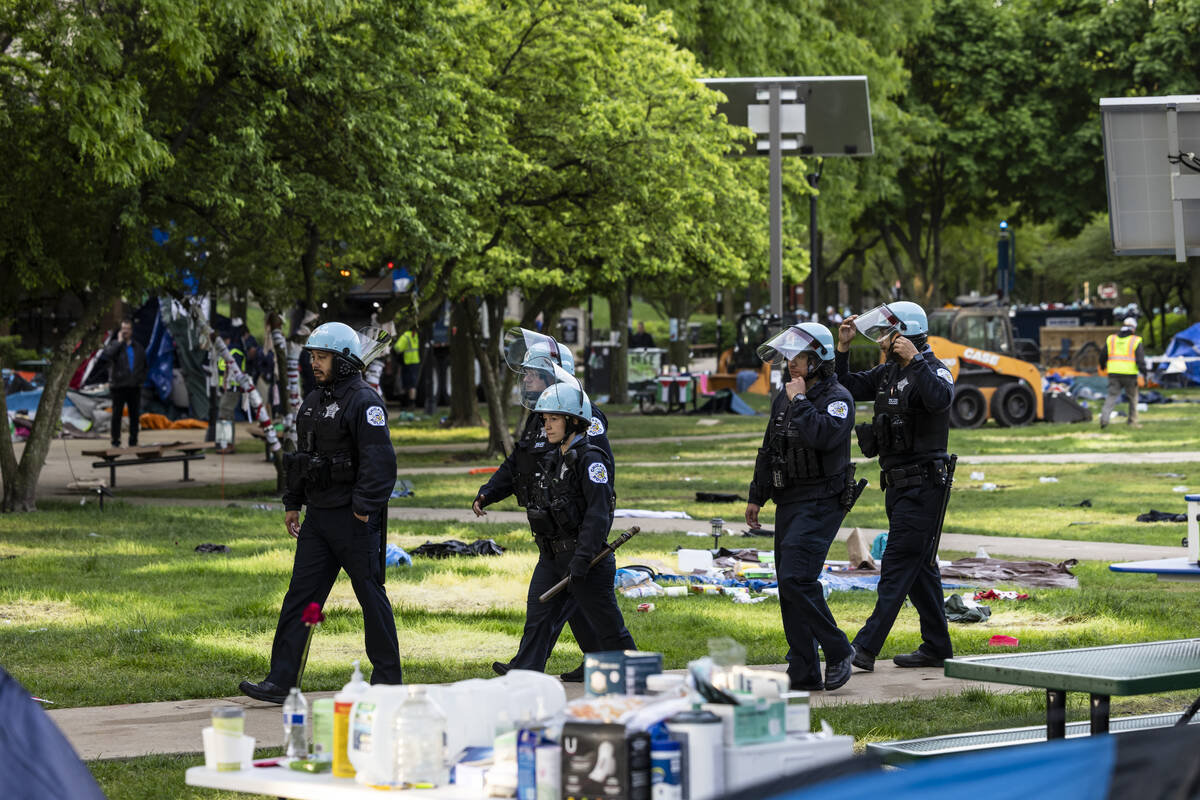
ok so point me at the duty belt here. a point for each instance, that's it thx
(913, 475)
(555, 546)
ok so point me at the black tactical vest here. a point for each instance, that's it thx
(557, 505)
(901, 427)
(325, 438)
(791, 461)
(527, 457)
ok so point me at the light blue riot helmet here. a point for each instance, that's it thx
(913, 321)
(339, 339)
(807, 337)
(565, 396)
(525, 349)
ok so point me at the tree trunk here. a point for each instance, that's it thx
(308, 266)
(679, 349)
(618, 307)
(20, 488)
(499, 439)
(237, 305)
(464, 412)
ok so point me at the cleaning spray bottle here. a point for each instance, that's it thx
(342, 701)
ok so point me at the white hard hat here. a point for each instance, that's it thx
(1130, 322)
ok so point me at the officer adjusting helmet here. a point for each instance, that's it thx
(534, 356)
(565, 396)
(341, 340)
(807, 337)
(907, 319)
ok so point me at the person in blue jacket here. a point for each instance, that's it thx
(343, 471)
(912, 391)
(533, 356)
(570, 511)
(804, 466)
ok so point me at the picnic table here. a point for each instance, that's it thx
(1181, 568)
(1122, 670)
(284, 782)
(113, 457)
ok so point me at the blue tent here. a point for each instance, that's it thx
(1186, 344)
(38, 762)
(1157, 763)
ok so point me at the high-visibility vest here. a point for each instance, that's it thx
(1121, 354)
(237, 356)
(409, 346)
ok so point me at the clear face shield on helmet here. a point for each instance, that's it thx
(524, 348)
(564, 395)
(374, 340)
(786, 345)
(878, 324)
(541, 376)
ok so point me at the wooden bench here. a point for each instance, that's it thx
(113, 457)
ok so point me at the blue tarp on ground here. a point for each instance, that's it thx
(1186, 344)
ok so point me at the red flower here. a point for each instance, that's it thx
(312, 615)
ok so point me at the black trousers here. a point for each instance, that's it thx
(131, 397)
(530, 650)
(333, 539)
(908, 571)
(594, 600)
(803, 533)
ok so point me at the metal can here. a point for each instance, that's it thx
(645, 607)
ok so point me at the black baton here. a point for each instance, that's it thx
(604, 552)
(937, 537)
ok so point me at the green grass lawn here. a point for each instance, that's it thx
(133, 614)
(112, 618)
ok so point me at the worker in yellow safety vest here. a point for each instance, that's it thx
(1125, 360)
(407, 350)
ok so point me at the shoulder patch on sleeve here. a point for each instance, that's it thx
(837, 408)
(376, 417)
(598, 473)
(596, 428)
(945, 375)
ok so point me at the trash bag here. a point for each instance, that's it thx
(453, 547)
(1161, 516)
(957, 610)
(717, 497)
(395, 556)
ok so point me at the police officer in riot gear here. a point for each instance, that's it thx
(344, 471)
(533, 356)
(912, 392)
(804, 466)
(570, 512)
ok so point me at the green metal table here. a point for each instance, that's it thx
(1122, 670)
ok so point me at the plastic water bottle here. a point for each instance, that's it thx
(295, 724)
(420, 735)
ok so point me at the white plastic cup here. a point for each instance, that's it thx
(224, 753)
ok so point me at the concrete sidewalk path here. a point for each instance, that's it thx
(1012, 546)
(141, 729)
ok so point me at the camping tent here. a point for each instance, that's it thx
(38, 760)
(1148, 764)
(1185, 346)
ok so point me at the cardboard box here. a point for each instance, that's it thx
(755, 764)
(753, 723)
(604, 762)
(619, 671)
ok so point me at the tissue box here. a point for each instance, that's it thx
(604, 762)
(619, 671)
